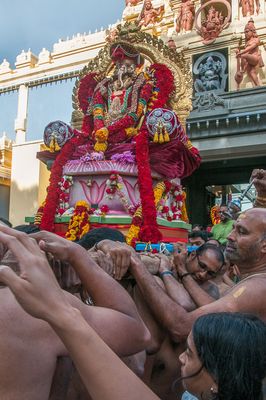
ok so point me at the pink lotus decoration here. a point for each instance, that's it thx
(132, 190)
(93, 193)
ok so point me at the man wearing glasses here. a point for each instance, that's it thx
(199, 276)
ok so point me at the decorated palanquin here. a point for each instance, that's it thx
(121, 162)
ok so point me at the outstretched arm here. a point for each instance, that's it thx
(116, 313)
(103, 374)
(103, 289)
(174, 318)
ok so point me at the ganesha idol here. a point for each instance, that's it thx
(128, 158)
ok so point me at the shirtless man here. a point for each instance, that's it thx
(29, 347)
(198, 274)
(247, 249)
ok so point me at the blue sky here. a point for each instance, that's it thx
(36, 24)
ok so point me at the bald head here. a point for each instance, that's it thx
(246, 245)
(258, 217)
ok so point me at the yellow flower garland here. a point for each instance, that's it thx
(76, 227)
(133, 232)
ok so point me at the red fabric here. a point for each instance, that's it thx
(171, 160)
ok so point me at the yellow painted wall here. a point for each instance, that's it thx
(28, 182)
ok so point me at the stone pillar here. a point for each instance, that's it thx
(21, 120)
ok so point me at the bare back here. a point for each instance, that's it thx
(29, 350)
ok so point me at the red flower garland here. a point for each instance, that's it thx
(164, 82)
(149, 231)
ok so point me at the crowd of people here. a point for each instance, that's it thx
(97, 320)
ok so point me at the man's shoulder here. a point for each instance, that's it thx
(250, 290)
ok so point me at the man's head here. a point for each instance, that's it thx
(246, 246)
(224, 213)
(99, 234)
(206, 262)
(197, 238)
(148, 4)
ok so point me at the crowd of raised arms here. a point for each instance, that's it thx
(96, 320)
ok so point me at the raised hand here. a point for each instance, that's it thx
(120, 254)
(59, 247)
(180, 257)
(259, 177)
(165, 263)
(36, 288)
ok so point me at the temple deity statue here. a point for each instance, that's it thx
(117, 108)
(149, 14)
(209, 75)
(248, 7)
(249, 59)
(185, 16)
(214, 23)
(130, 151)
(210, 79)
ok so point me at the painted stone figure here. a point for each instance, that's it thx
(185, 16)
(249, 59)
(214, 23)
(150, 15)
(248, 7)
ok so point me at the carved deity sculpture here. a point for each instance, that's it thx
(209, 77)
(214, 23)
(249, 59)
(248, 7)
(149, 14)
(210, 81)
(117, 106)
(185, 16)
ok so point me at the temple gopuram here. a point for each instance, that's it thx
(210, 105)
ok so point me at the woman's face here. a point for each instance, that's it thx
(201, 382)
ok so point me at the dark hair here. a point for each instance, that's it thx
(232, 348)
(197, 226)
(215, 249)
(27, 228)
(99, 234)
(214, 240)
(6, 222)
(202, 234)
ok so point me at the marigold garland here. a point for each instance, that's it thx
(215, 216)
(79, 222)
(134, 230)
